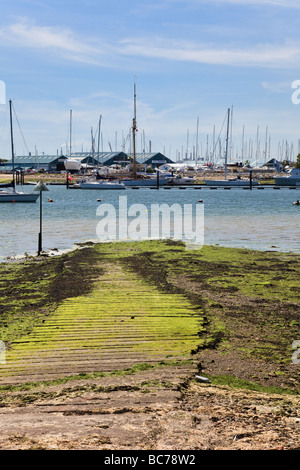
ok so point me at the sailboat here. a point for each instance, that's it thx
(92, 183)
(234, 182)
(142, 181)
(72, 164)
(13, 195)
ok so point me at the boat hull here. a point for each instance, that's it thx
(96, 185)
(233, 183)
(18, 197)
(287, 181)
(72, 165)
(147, 183)
(183, 181)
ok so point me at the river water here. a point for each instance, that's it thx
(258, 219)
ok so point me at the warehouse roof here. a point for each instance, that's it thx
(31, 160)
(151, 158)
(87, 157)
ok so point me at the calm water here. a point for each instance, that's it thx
(258, 219)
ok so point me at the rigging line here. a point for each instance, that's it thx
(147, 120)
(20, 129)
(219, 134)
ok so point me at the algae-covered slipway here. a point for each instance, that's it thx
(143, 319)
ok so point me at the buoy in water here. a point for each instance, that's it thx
(50, 200)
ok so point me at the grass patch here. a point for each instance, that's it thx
(235, 382)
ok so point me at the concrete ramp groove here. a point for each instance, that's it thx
(124, 321)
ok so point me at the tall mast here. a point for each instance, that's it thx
(227, 137)
(70, 132)
(133, 132)
(187, 144)
(196, 158)
(99, 130)
(231, 133)
(243, 143)
(12, 144)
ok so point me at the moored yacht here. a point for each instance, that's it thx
(101, 184)
(293, 178)
(231, 182)
(145, 181)
(235, 182)
(12, 195)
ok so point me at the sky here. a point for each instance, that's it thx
(191, 61)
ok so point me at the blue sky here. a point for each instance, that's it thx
(190, 59)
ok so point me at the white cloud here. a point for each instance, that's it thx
(64, 42)
(25, 33)
(281, 3)
(263, 55)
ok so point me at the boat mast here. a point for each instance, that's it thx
(12, 144)
(230, 153)
(196, 158)
(98, 150)
(133, 132)
(70, 133)
(93, 147)
(227, 136)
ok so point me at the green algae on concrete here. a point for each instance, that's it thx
(121, 316)
(113, 305)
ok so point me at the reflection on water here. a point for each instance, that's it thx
(254, 219)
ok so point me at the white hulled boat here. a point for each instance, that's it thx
(17, 196)
(11, 195)
(235, 182)
(101, 184)
(183, 180)
(145, 181)
(135, 180)
(293, 178)
(72, 165)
